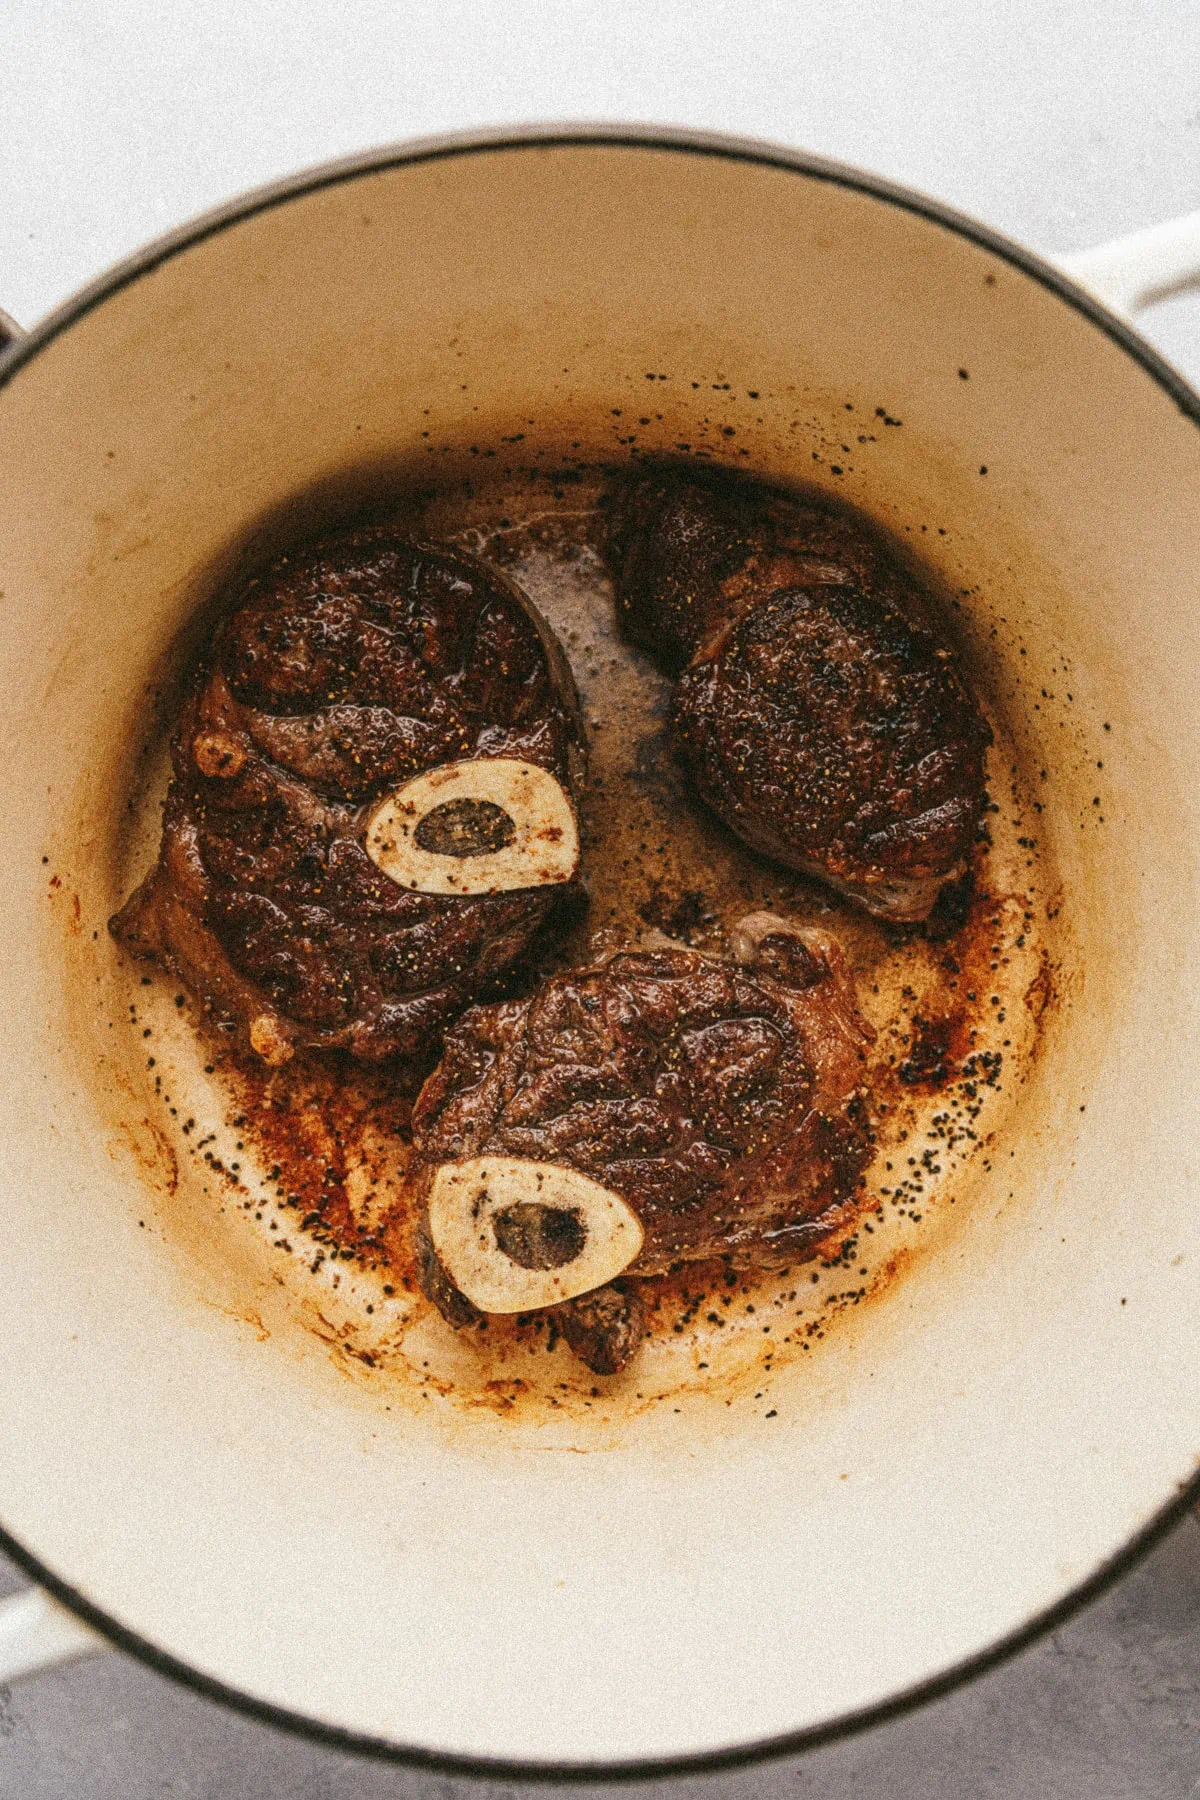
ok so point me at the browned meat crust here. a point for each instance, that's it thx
(339, 673)
(604, 1328)
(819, 712)
(721, 1102)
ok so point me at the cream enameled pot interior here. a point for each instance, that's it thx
(958, 1455)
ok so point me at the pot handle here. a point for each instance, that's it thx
(1134, 271)
(36, 1632)
(10, 331)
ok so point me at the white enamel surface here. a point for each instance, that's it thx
(957, 1455)
(463, 1203)
(544, 850)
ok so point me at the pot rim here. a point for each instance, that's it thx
(683, 141)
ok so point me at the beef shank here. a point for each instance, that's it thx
(371, 809)
(819, 710)
(661, 1107)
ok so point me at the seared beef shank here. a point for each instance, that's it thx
(717, 1101)
(341, 674)
(819, 711)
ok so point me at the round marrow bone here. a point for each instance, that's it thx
(497, 1221)
(538, 845)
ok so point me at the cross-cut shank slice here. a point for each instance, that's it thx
(717, 1101)
(346, 679)
(820, 711)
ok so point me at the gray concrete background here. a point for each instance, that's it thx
(1062, 124)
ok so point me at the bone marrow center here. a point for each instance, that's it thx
(540, 1237)
(465, 828)
(485, 826)
(516, 1235)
